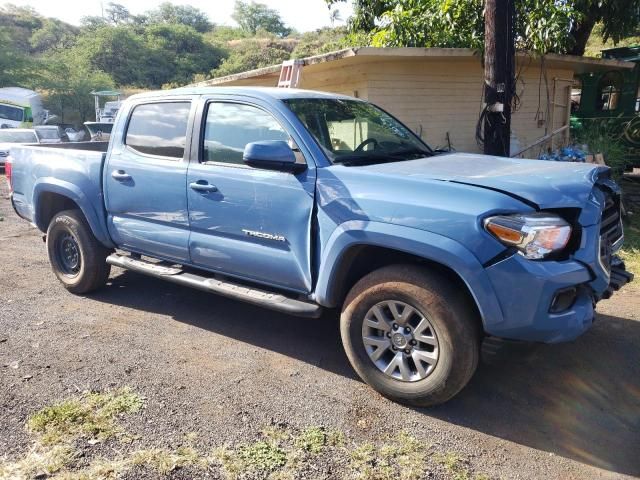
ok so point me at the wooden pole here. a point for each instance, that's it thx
(499, 66)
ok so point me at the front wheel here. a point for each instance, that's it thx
(410, 335)
(78, 259)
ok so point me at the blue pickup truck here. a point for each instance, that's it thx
(303, 201)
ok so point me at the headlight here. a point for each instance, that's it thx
(535, 235)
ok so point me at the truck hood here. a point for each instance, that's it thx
(543, 184)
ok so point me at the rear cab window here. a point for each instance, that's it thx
(159, 129)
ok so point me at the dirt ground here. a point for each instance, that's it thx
(220, 372)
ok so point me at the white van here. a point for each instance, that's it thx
(20, 107)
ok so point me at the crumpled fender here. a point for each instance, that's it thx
(53, 185)
(421, 243)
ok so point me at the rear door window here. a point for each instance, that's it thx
(159, 129)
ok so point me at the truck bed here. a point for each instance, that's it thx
(73, 169)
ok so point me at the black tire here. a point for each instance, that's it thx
(69, 229)
(451, 313)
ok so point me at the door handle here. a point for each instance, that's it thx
(203, 186)
(120, 175)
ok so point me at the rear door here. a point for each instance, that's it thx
(249, 222)
(145, 180)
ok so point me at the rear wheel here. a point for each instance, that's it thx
(76, 256)
(410, 335)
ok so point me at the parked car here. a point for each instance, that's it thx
(302, 201)
(20, 107)
(51, 134)
(10, 137)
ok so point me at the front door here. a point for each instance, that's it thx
(247, 222)
(145, 190)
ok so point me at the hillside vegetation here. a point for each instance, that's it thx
(163, 48)
(174, 45)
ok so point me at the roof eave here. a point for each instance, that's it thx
(579, 64)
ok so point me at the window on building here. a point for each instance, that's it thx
(576, 94)
(609, 89)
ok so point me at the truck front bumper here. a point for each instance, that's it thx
(549, 301)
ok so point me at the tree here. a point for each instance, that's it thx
(323, 40)
(180, 14)
(14, 66)
(19, 24)
(251, 54)
(541, 25)
(252, 16)
(430, 23)
(183, 50)
(68, 86)
(619, 19)
(334, 16)
(118, 51)
(92, 22)
(366, 12)
(52, 34)
(117, 14)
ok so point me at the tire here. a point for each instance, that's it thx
(453, 334)
(68, 237)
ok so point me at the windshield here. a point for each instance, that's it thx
(10, 136)
(8, 112)
(355, 132)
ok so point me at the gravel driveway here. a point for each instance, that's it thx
(221, 372)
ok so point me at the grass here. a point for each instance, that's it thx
(58, 427)
(165, 461)
(91, 416)
(457, 468)
(403, 457)
(63, 430)
(631, 250)
(39, 460)
(314, 439)
(160, 460)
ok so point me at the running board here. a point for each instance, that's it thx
(263, 298)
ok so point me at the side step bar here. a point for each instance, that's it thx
(263, 298)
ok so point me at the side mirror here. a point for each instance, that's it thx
(272, 155)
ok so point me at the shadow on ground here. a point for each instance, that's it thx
(579, 400)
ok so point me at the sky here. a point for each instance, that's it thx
(303, 15)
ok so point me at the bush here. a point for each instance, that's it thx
(604, 136)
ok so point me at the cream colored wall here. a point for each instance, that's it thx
(524, 121)
(431, 97)
(435, 97)
(335, 77)
(338, 77)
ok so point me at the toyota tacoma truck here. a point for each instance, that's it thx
(303, 201)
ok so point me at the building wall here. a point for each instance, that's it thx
(438, 97)
(336, 77)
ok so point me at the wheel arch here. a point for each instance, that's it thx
(357, 248)
(50, 197)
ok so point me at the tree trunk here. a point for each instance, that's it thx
(581, 30)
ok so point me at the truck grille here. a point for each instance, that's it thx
(610, 228)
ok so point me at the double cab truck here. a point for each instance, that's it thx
(303, 201)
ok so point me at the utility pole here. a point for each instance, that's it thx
(499, 71)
